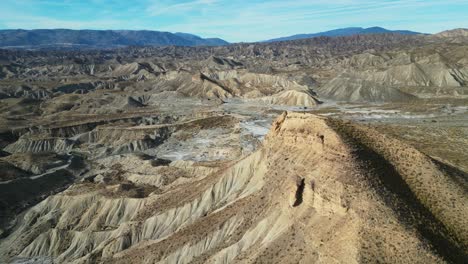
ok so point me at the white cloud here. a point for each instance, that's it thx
(165, 7)
(48, 23)
(235, 20)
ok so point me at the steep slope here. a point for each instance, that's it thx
(291, 98)
(319, 190)
(353, 88)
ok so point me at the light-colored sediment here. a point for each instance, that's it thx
(317, 190)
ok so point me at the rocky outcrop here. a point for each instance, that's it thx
(318, 189)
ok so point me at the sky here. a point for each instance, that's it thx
(235, 20)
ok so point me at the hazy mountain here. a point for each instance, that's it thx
(202, 41)
(345, 32)
(99, 38)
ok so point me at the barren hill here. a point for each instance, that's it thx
(318, 189)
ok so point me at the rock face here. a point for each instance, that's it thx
(318, 189)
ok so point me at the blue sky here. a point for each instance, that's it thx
(235, 20)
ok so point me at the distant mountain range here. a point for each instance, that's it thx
(67, 38)
(102, 39)
(344, 32)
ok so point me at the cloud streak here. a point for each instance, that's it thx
(161, 8)
(235, 20)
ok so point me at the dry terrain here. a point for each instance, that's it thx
(323, 150)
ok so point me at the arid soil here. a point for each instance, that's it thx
(325, 150)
